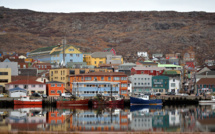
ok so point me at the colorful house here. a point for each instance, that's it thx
(29, 85)
(206, 85)
(147, 70)
(105, 77)
(55, 88)
(72, 54)
(160, 84)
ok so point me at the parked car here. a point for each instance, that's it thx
(35, 95)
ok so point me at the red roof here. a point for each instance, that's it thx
(25, 82)
(206, 81)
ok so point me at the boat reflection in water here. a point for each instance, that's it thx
(136, 119)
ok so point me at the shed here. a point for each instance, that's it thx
(17, 92)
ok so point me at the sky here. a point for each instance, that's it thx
(67, 6)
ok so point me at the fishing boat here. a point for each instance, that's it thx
(142, 99)
(211, 101)
(25, 100)
(69, 103)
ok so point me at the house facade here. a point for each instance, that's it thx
(29, 85)
(206, 85)
(160, 84)
(103, 76)
(116, 59)
(55, 88)
(92, 88)
(141, 83)
(147, 70)
(42, 66)
(5, 76)
(126, 68)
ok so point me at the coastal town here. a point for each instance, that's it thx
(63, 69)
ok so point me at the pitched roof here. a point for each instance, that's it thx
(101, 54)
(149, 68)
(15, 78)
(53, 82)
(102, 73)
(17, 88)
(25, 82)
(207, 81)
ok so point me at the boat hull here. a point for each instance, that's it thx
(72, 103)
(31, 102)
(138, 101)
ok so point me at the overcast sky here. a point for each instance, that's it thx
(67, 6)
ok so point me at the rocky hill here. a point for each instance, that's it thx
(128, 32)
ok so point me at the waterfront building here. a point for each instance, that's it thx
(206, 74)
(147, 70)
(206, 85)
(160, 84)
(5, 77)
(29, 85)
(54, 88)
(141, 83)
(105, 77)
(62, 74)
(17, 92)
(174, 80)
(92, 88)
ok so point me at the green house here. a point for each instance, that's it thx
(160, 84)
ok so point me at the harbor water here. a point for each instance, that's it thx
(192, 118)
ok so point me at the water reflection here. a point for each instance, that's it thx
(137, 118)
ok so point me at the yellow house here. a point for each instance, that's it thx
(97, 58)
(5, 76)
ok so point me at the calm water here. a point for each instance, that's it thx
(138, 118)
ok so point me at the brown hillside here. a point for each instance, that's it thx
(127, 32)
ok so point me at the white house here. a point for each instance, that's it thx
(142, 54)
(174, 84)
(17, 92)
(29, 85)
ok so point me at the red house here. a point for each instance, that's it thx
(110, 50)
(148, 70)
(42, 66)
(55, 88)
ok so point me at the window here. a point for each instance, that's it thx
(71, 49)
(40, 85)
(77, 55)
(173, 80)
(59, 92)
(52, 91)
(72, 72)
(58, 85)
(25, 86)
(32, 85)
(52, 85)
(102, 78)
(95, 78)
(95, 62)
(116, 78)
(3, 80)
(172, 84)
(123, 85)
(135, 83)
(3, 73)
(71, 55)
(71, 60)
(151, 71)
(82, 71)
(109, 78)
(87, 78)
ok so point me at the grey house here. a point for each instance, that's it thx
(12, 65)
(126, 68)
(141, 83)
(113, 59)
(27, 71)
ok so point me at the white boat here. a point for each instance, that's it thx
(208, 101)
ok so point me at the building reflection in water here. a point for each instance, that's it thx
(135, 119)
